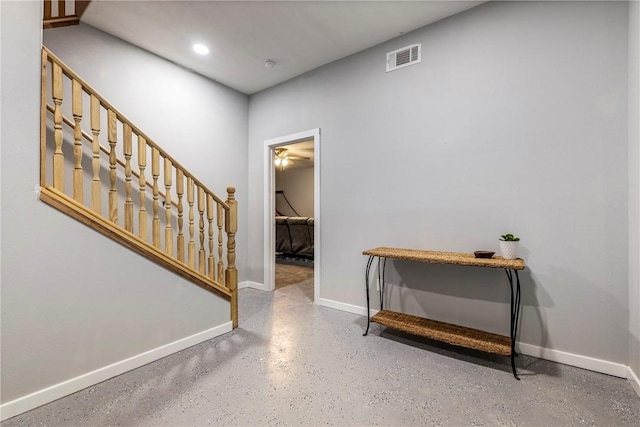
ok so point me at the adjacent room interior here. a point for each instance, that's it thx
(294, 216)
(294, 202)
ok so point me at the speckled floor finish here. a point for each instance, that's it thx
(294, 363)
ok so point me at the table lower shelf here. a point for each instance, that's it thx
(445, 332)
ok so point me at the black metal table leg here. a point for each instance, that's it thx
(515, 315)
(366, 281)
(381, 281)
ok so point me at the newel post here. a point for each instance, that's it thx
(231, 274)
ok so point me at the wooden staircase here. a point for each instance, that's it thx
(90, 156)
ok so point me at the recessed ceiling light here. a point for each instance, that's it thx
(269, 63)
(200, 49)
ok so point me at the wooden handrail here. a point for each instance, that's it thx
(105, 150)
(89, 218)
(106, 104)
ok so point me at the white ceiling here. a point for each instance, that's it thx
(298, 36)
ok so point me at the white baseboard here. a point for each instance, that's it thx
(49, 394)
(584, 362)
(634, 380)
(355, 309)
(577, 360)
(252, 285)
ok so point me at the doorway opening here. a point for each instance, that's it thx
(292, 209)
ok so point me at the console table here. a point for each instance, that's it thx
(441, 331)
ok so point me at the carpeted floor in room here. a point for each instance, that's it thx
(292, 362)
(296, 274)
(292, 274)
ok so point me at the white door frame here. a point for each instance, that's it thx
(269, 207)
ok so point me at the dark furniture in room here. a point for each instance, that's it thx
(294, 236)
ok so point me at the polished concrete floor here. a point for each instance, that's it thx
(294, 363)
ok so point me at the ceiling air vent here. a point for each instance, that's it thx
(404, 57)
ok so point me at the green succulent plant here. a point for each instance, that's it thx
(509, 238)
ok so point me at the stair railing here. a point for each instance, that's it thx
(90, 182)
(61, 13)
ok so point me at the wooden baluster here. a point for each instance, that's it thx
(76, 106)
(180, 191)
(168, 182)
(96, 189)
(211, 264)
(155, 171)
(192, 242)
(127, 149)
(231, 275)
(142, 164)
(47, 9)
(58, 155)
(112, 136)
(62, 8)
(220, 262)
(43, 118)
(201, 265)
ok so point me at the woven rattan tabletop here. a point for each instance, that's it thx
(437, 257)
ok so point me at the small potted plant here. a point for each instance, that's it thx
(509, 246)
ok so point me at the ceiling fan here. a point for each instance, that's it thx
(283, 158)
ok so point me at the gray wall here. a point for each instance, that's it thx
(515, 121)
(634, 187)
(297, 184)
(72, 300)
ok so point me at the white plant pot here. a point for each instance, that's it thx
(509, 249)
